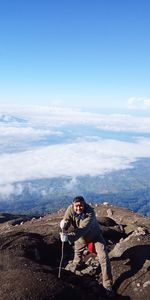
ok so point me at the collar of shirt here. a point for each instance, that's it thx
(79, 216)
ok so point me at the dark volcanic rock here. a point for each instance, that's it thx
(4, 217)
(106, 221)
(30, 253)
(113, 234)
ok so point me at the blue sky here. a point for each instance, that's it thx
(75, 53)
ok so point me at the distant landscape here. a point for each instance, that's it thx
(51, 154)
(128, 188)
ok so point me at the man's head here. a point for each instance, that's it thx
(78, 204)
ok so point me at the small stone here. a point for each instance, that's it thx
(138, 284)
(105, 203)
(109, 213)
(146, 283)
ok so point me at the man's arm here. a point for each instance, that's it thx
(85, 226)
(66, 221)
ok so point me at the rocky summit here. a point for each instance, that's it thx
(34, 265)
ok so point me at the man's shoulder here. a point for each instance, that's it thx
(69, 209)
(89, 208)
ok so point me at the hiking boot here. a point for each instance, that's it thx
(81, 266)
(72, 266)
(110, 292)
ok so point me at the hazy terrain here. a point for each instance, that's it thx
(128, 188)
(50, 154)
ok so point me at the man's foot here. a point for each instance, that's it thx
(80, 266)
(110, 292)
(72, 266)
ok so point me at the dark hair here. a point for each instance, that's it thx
(78, 199)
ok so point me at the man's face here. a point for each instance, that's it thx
(78, 207)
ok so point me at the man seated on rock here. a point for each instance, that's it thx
(82, 216)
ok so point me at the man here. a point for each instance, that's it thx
(82, 216)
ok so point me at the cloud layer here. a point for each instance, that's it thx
(47, 118)
(76, 159)
(139, 103)
(76, 154)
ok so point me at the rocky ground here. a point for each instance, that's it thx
(30, 253)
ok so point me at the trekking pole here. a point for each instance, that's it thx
(61, 260)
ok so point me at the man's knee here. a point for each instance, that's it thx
(78, 246)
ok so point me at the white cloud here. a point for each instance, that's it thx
(8, 189)
(26, 132)
(139, 103)
(73, 182)
(45, 120)
(95, 156)
(76, 159)
(125, 123)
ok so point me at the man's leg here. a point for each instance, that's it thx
(102, 253)
(79, 247)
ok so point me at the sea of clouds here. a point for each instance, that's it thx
(30, 146)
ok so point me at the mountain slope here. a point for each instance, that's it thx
(30, 253)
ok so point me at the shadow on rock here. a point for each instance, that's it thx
(88, 286)
(136, 258)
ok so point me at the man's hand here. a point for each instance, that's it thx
(63, 237)
(63, 224)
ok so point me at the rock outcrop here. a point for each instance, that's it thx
(30, 253)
